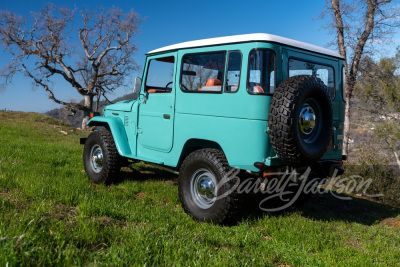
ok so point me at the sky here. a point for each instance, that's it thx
(174, 21)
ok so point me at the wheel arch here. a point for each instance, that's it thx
(117, 129)
(194, 144)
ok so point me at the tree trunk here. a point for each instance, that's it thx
(89, 108)
(397, 159)
(350, 86)
(97, 102)
(346, 128)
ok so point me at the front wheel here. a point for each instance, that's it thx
(204, 193)
(100, 157)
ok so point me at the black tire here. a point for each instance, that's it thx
(223, 210)
(293, 96)
(111, 163)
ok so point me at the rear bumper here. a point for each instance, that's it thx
(321, 169)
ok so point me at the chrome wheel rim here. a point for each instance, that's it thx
(310, 120)
(307, 119)
(96, 158)
(203, 188)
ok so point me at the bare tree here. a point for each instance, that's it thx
(188, 80)
(202, 76)
(94, 54)
(357, 24)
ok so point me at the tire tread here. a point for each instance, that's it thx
(282, 119)
(231, 203)
(112, 159)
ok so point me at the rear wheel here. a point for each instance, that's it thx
(100, 157)
(204, 194)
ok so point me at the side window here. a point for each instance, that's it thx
(160, 75)
(233, 72)
(203, 72)
(325, 73)
(261, 77)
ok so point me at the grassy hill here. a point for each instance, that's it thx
(50, 214)
(76, 120)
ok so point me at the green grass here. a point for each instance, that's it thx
(51, 214)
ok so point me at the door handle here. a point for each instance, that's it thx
(167, 116)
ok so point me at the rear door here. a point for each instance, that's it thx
(325, 68)
(157, 105)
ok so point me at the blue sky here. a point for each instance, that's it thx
(169, 22)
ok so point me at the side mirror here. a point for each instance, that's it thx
(138, 85)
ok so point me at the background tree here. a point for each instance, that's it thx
(93, 54)
(378, 88)
(357, 24)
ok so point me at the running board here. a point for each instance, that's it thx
(162, 167)
(144, 159)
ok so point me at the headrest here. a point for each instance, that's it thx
(213, 82)
(258, 89)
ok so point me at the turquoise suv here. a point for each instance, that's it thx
(257, 103)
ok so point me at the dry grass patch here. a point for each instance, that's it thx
(392, 222)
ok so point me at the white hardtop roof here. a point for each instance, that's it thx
(262, 37)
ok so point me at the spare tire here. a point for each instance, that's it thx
(301, 120)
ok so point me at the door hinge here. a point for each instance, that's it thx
(139, 131)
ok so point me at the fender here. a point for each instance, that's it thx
(118, 132)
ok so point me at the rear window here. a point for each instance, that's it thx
(325, 73)
(203, 72)
(262, 72)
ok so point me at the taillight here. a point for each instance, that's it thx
(259, 165)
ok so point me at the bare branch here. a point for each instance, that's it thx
(96, 64)
(73, 106)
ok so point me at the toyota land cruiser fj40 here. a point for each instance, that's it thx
(256, 102)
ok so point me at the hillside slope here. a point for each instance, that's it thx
(51, 214)
(76, 120)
